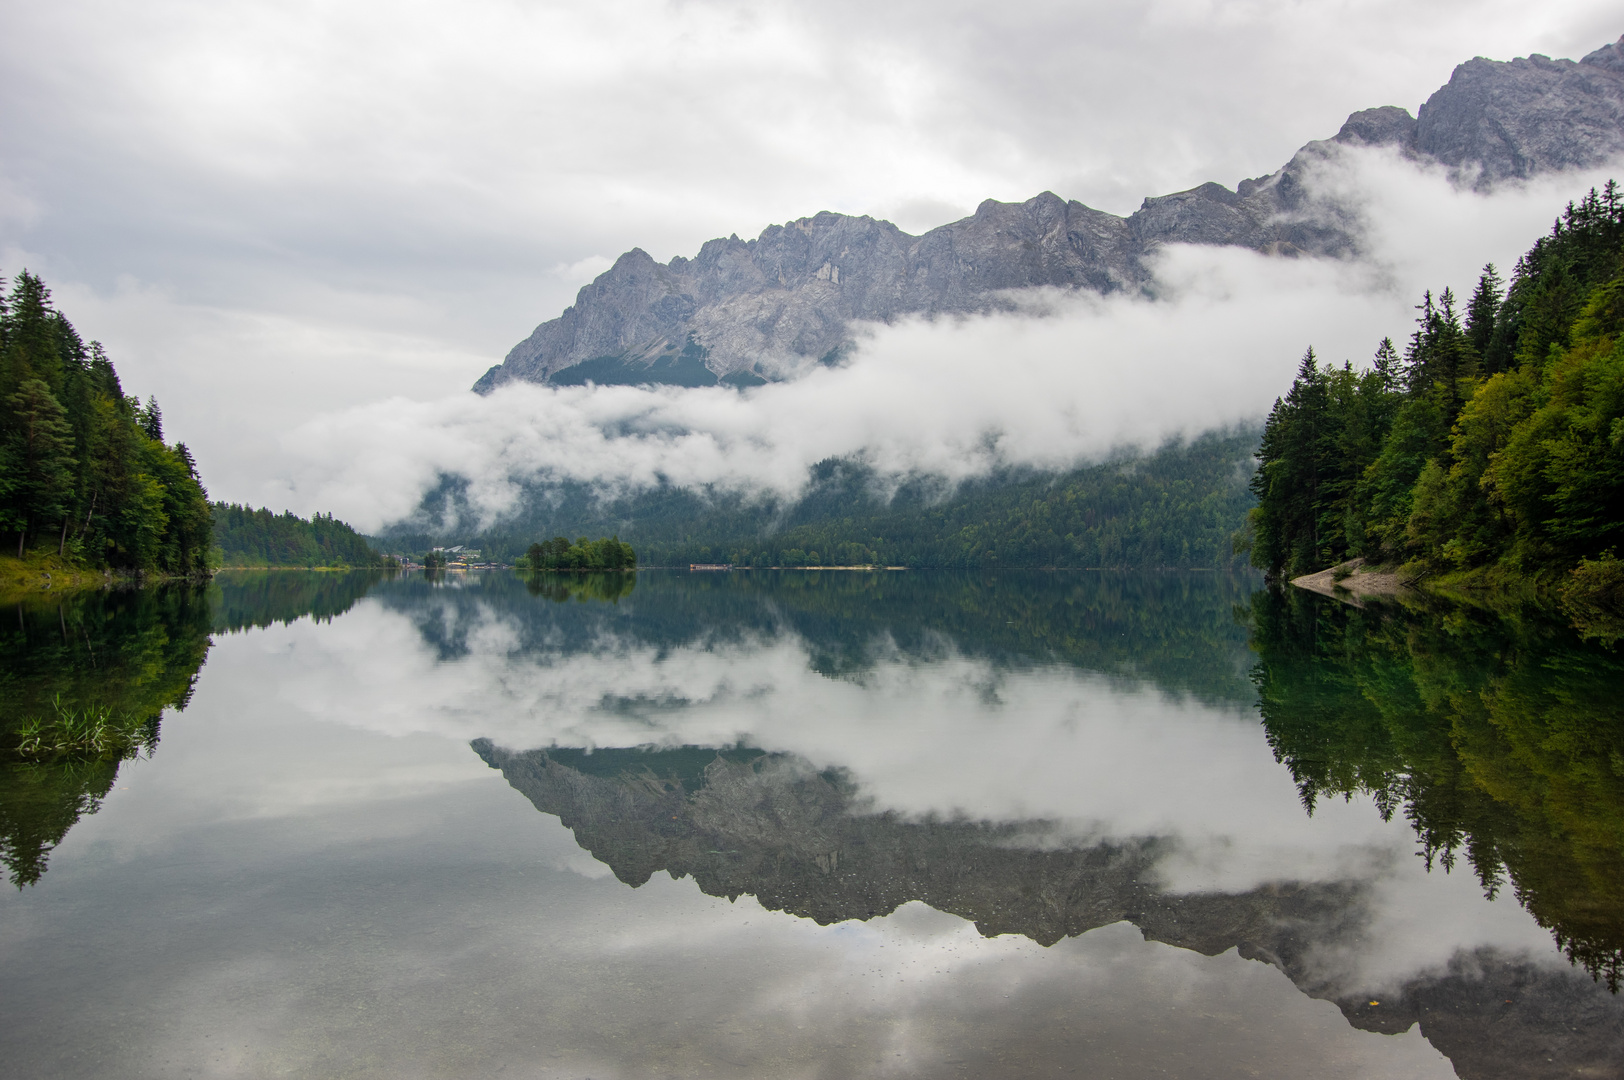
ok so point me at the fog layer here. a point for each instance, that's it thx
(1063, 379)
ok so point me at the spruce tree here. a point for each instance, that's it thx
(1388, 366)
(1482, 311)
(152, 420)
(42, 459)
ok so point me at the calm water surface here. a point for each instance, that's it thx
(811, 825)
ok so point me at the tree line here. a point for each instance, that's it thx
(84, 469)
(1492, 448)
(604, 553)
(252, 538)
(1178, 506)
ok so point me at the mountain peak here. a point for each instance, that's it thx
(743, 312)
(1609, 57)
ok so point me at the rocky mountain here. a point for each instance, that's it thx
(743, 312)
(803, 841)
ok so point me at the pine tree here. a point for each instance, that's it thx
(1482, 312)
(152, 420)
(1388, 366)
(1288, 525)
(41, 455)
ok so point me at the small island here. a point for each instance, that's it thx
(559, 553)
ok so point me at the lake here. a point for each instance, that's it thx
(804, 824)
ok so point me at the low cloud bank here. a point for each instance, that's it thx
(1067, 378)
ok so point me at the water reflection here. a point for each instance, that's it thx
(832, 843)
(1497, 735)
(314, 875)
(133, 652)
(561, 587)
(1179, 632)
(800, 840)
(254, 599)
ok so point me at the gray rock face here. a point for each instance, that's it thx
(772, 826)
(1531, 115)
(743, 311)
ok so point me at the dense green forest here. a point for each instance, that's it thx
(1497, 734)
(84, 470)
(604, 553)
(1177, 507)
(259, 538)
(1492, 448)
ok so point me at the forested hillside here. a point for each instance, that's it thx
(1492, 448)
(84, 470)
(247, 537)
(1177, 507)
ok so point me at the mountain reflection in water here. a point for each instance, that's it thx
(1495, 735)
(1230, 770)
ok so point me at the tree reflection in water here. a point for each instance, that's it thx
(1499, 735)
(135, 653)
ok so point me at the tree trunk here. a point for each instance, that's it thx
(22, 534)
(88, 513)
(62, 545)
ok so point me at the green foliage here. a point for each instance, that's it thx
(83, 469)
(1499, 447)
(112, 660)
(581, 587)
(90, 731)
(1178, 507)
(243, 599)
(1593, 597)
(1498, 736)
(604, 553)
(259, 538)
(86, 676)
(1177, 630)
(1318, 444)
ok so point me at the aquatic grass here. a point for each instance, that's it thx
(93, 731)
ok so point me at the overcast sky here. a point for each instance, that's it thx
(273, 210)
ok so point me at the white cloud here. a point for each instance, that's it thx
(1069, 378)
(583, 271)
(1092, 758)
(272, 210)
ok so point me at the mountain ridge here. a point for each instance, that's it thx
(746, 312)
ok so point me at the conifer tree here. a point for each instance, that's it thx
(79, 457)
(41, 458)
(1482, 310)
(1388, 366)
(1502, 451)
(152, 420)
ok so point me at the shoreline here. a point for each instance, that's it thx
(1352, 582)
(37, 575)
